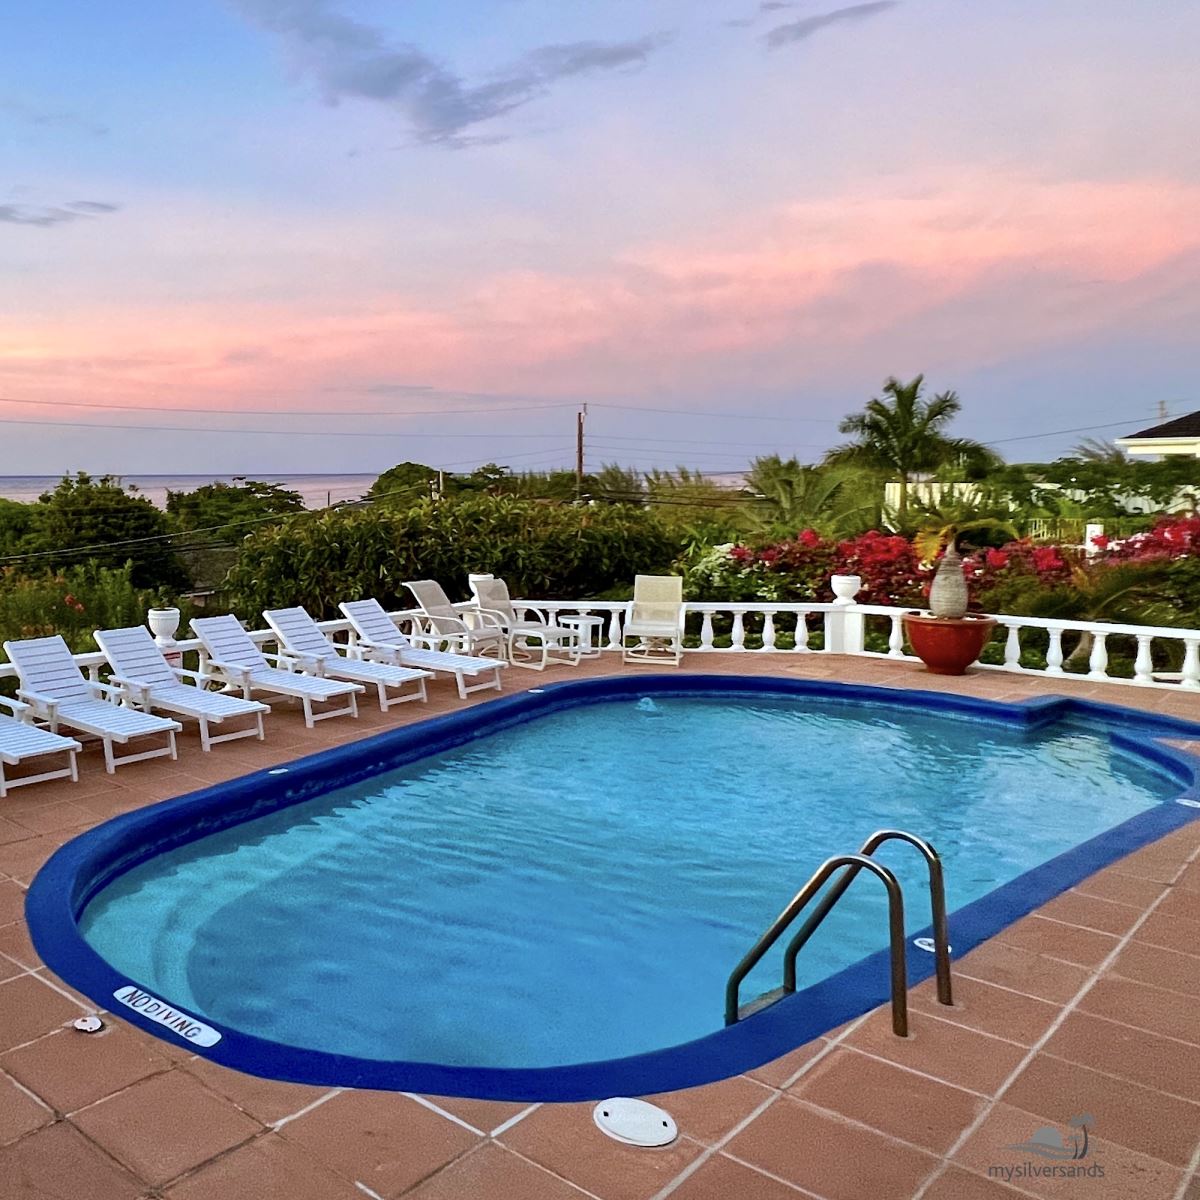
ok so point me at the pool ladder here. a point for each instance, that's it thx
(850, 865)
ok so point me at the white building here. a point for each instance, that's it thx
(1180, 435)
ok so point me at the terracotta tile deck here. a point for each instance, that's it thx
(1091, 1005)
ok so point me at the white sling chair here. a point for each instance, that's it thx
(236, 661)
(532, 640)
(60, 694)
(150, 682)
(654, 621)
(301, 638)
(380, 639)
(469, 632)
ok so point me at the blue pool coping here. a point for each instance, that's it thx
(82, 867)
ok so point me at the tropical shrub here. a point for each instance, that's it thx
(73, 603)
(542, 550)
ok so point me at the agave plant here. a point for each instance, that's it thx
(948, 596)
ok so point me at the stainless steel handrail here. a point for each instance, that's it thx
(899, 972)
(937, 904)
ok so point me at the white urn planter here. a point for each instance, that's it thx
(845, 588)
(163, 623)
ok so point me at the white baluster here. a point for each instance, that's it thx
(1012, 649)
(1054, 653)
(802, 633)
(768, 636)
(738, 640)
(614, 630)
(1191, 664)
(1143, 665)
(706, 632)
(1098, 660)
(896, 637)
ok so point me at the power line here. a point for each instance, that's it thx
(276, 412)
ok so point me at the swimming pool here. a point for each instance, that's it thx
(543, 896)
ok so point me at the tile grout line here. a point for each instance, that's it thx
(515, 1119)
(429, 1104)
(1055, 1025)
(800, 1191)
(711, 1151)
(301, 1112)
(1190, 1173)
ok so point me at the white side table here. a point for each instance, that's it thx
(583, 626)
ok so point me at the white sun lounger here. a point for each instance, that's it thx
(654, 621)
(60, 694)
(300, 637)
(21, 739)
(380, 639)
(533, 641)
(463, 632)
(150, 682)
(236, 661)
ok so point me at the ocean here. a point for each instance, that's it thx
(318, 491)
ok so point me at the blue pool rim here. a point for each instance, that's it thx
(83, 866)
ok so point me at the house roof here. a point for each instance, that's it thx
(1178, 427)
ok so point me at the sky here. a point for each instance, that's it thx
(274, 236)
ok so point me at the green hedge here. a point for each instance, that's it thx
(546, 551)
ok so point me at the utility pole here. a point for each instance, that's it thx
(580, 417)
(1162, 410)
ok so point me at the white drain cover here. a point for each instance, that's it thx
(91, 1024)
(928, 944)
(635, 1122)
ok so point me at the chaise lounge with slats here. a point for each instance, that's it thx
(60, 694)
(379, 638)
(301, 638)
(150, 682)
(21, 740)
(233, 659)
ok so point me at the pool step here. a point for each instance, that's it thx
(848, 867)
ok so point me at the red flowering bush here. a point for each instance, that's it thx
(888, 565)
(1171, 538)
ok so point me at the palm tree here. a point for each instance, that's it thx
(903, 435)
(788, 497)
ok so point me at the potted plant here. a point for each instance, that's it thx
(948, 639)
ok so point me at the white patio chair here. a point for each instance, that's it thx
(380, 639)
(300, 637)
(655, 621)
(60, 694)
(468, 632)
(532, 639)
(21, 739)
(150, 682)
(236, 661)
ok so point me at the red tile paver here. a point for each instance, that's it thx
(29, 1009)
(891, 1099)
(484, 1115)
(708, 1113)
(1167, 1013)
(490, 1170)
(721, 1178)
(988, 1008)
(1159, 968)
(265, 1169)
(59, 1163)
(20, 1113)
(1137, 1117)
(68, 1069)
(1121, 1173)
(564, 1139)
(267, 1100)
(12, 901)
(828, 1156)
(1053, 939)
(1023, 971)
(165, 1125)
(384, 1140)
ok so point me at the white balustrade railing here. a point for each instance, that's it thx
(781, 629)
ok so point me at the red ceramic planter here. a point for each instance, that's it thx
(945, 645)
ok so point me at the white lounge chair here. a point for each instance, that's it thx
(300, 637)
(150, 682)
(237, 662)
(655, 620)
(60, 694)
(21, 739)
(469, 632)
(379, 638)
(532, 640)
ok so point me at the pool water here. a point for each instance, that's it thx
(578, 887)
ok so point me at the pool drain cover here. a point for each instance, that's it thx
(635, 1122)
(89, 1024)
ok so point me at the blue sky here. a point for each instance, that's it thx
(267, 215)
